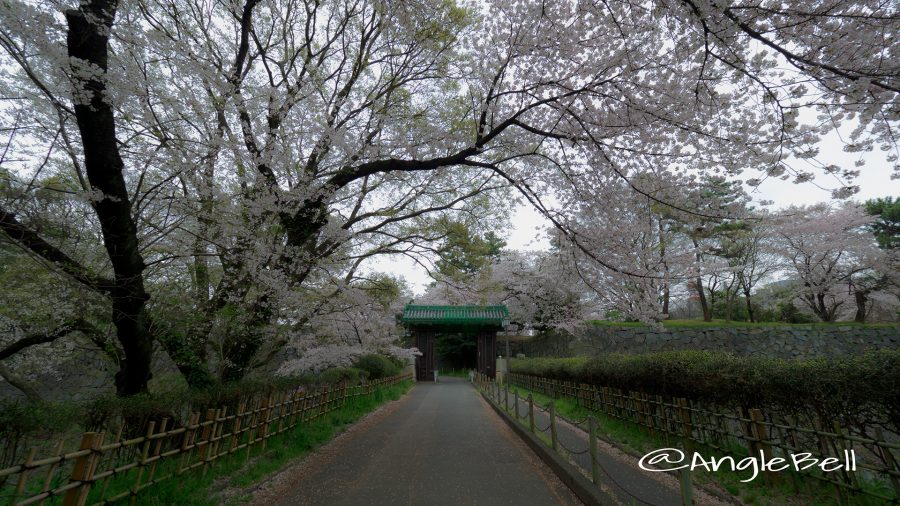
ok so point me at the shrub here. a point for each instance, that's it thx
(848, 388)
(343, 374)
(378, 366)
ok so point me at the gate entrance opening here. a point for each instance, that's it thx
(482, 323)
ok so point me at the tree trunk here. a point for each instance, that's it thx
(749, 306)
(704, 305)
(823, 311)
(862, 299)
(87, 43)
(662, 258)
(666, 297)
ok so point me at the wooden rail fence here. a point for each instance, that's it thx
(103, 472)
(698, 426)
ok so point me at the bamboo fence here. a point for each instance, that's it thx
(105, 471)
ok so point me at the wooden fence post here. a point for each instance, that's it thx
(888, 458)
(304, 406)
(145, 453)
(163, 425)
(666, 425)
(592, 449)
(236, 426)
(83, 472)
(687, 428)
(849, 474)
(267, 413)
(823, 448)
(553, 435)
(48, 478)
(758, 429)
(188, 440)
(687, 488)
(531, 413)
(205, 437)
(23, 476)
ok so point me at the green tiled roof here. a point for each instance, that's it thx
(455, 315)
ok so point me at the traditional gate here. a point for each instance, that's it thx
(483, 322)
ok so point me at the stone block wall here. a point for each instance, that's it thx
(796, 341)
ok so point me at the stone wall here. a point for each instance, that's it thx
(795, 341)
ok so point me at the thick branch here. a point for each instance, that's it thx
(26, 237)
(39, 338)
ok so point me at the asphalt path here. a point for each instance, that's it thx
(441, 445)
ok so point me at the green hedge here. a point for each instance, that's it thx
(349, 375)
(378, 366)
(848, 387)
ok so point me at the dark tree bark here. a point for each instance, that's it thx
(704, 305)
(821, 308)
(87, 43)
(749, 306)
(862, 301)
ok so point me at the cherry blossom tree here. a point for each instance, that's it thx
(264, 149)
(361, 319)
(824, 248)
(749, 253)
(537, 288)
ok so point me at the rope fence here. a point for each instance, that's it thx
(746, 432)
(105, 471)
(500, 396)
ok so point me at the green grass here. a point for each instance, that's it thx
(235, 472)
(676, 324)
(636, 440)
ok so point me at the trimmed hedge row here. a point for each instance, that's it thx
(849, 387)
(378, 366)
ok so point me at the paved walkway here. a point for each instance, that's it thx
(443, 445)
